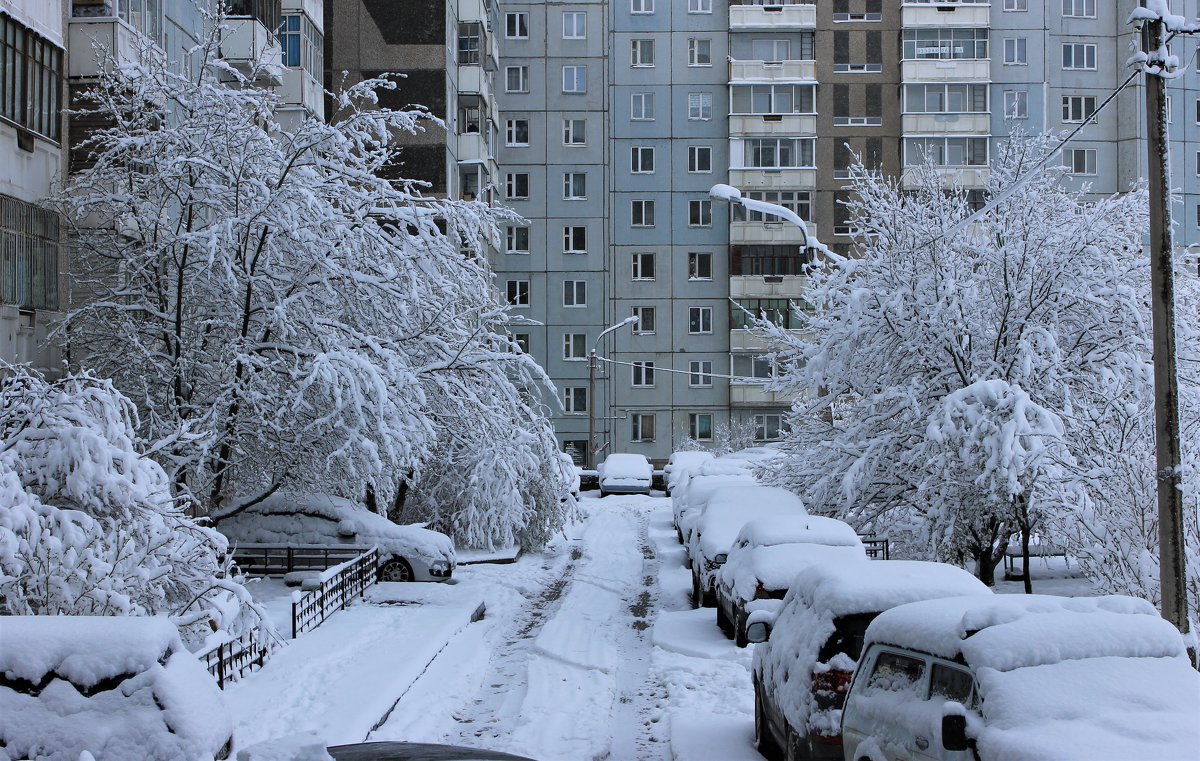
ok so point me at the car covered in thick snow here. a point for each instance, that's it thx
(123, 688)
(767, 555)
(406, 553)
(713, 533)
(808, 650)
(680, 462)
(695, 486)
(1023, 677)
(625, 474)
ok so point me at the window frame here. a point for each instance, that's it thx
(1077, 105)
(512, 133)
(641, 53)
(571, 400)
(646, 205)
(569, 132)
(642, 262)
(1072, 5)
(646, 325)
(699, 6)
(700, 212)
(642, 373)
(641, 7)
(574, 294)
(522, 73)
(570, 191)
(512, 186)
(578, 83)
(581, 28)
(700, 373)
(513, 239)
(1020, 51)
(1021, 99)
(573, 236)
(699, 52)
(522, 19)
(697, 316)
(515, 294)
(644, 99)
(702, 109)
(694, 429)
(570, 345)
(1088, 49)
(638, 426)
(695, 260)
(694, 162)
(638, 160)
(1088, 153)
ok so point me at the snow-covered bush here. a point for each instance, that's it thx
(88, 525)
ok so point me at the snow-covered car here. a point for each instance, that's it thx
(755, 455)
(123, 688)
(1023, 676)
(714, 531)
(625, 474)
(679, 462)
(767, 555)
(696, 485)
(406, 553)
(808, 651)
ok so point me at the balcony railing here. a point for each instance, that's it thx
(267, 12)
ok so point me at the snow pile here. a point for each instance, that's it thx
(119, 688)
(304, 746)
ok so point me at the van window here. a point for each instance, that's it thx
(896, 673)
(949, 683)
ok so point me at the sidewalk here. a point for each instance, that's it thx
(341, 679)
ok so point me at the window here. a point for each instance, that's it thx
(946, 151)
(700, 426)
(574, 186)
(1198, 163)
(700, 373)
(1014, 51)
(516, 26)
(700, 213)
(574, 293)
(516, 132)
(774, 99)
(1016, 104)
(798, 202)
(645, 323)
(771, 51)
(768, 427)
(31, 80)
(643, 265)
(301, 43)
(29, 242)
(641, 159)
(699, 265)
(574, 25)
(1080, 160)
(642, 426)
(516, 79)
(700, 106)
(945, 43)
(518, 293)
(949, 683)
(700, 320)
(1077, 55)
(641, 213)
(1167, 104)
(522, 342)
(778, 152)
(641, 6)
(641, 52)
(946, 99)
(749, 368)
(894, 672)
(1079, 8)
(574, 346)
(699, 158)
(1016, 5)
(1078, 108)
(516, 185)
(699, 6)
(641, 106)
(643, 374)
(574, 79)
(517, 240)
(469, 43)
(574, 239)
(575, 399)
(573, 132)
(699, 52)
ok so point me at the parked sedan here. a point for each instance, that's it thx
(681, 462)
(625, 474)
(406, 553)
(767, 555)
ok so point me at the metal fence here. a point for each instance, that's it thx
(877, 549)
(278, 559)
(351, 579)
(232, 660)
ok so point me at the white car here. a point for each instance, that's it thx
(767, 555)
(808, 651)
(1023, 677)
(406, 553)
(625, 474)
(695, 486)
(679, 463)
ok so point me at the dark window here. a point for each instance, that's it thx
(29, 252)
(874, 47)
(874, 100)
(948, 683)
(841, 100)
(847, 636)
(30, 79)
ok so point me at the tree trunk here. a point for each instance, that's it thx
(988, 548)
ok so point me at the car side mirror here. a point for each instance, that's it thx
(758, 631)
(954, 729)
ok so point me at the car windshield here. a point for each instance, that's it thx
(847, 636)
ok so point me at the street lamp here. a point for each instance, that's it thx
(590, 459)
(733, 195)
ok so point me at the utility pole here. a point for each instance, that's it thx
(1166, 388)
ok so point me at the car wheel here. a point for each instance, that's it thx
(709, 598)
(763, 739)
(603, 494)
(723, 622)
(396, 569)
(739, 631)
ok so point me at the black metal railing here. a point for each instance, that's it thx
(230, 661)
(311, 607)
(278, 559)
(877, 549)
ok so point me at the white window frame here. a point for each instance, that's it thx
(700, 106)
(571, 239)
(522, 84)
(574, 295)
(641, 7)
(1079, 8)
(1070, 161)
(1016, 104)
(513, 239)
(700, 373)
(694, 428)
(637, 431)
(695, 258)
(574, 79)
(1075, 109)
(647, 212)
(522, 24)
(700, 318)
(699, 51)
(699, 6)
(641, 159)
(695, 152)
(1075, 51)
(1014, 6)
(572, 398)
(645, 326)
(642, 372)
(512, 189)
(569, 132)
(760, 424)
(702, 213)
(511, 133)
(574, 347)
(574, 186)
(1016, 51)
(515, 294)
(642, 266)
(577, 30)
(641, 53)
(641, 104)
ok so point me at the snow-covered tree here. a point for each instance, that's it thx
(88, 525)
(307, 318)
(1045, 294)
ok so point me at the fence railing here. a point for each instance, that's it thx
(333, 590)
(877, 549)
(278, 559)
(230, 661)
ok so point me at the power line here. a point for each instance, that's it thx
(742, 378)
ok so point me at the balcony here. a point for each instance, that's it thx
(756, 395)
(301, 90)
(939, 70)
(767, 287)
(475, 80)
(768, 233)
(971, 15)
(472, 147)
(953, 124)
(967, 177)
(248, 46)
(88, 37)
(746, 342)
(773, 17)
(754, 72)
(773, 179)
(765, 125)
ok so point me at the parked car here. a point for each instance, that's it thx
(625, 474)
(767, 555)
(123, 688)
(808, 652)
(406, 553)
(714, 531)
(679, 462)
(405, 751)
(1023, 677)
(695, 486)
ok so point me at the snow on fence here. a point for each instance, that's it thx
(232, 659)
(877, 549)
(278, 559)
(332, 590)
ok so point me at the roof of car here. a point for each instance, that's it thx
(848, 589)
(730, 507)
(798, 529)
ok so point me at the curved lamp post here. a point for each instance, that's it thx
(590, 459)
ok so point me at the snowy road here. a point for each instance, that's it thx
(589, 651)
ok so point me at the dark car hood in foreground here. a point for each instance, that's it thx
(399, 751)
